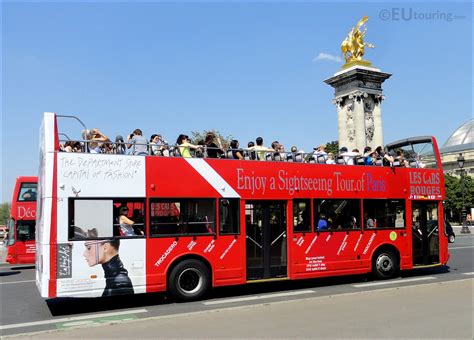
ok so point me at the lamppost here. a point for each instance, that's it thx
(465, 228)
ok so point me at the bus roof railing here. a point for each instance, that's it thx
(409, 141)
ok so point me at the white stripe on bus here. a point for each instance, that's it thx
(212, 177)
(470, 273)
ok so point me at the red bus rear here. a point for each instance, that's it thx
(22, 223)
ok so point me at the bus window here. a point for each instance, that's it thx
(337, 214)
(27, 192)
(182, 216)
(129, 217)
(302, 215)
(384, 213)
(11, 232)
(25, 230)
(90, 218)
(229, 216)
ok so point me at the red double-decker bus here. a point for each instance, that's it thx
(21, 226)
(119, 224)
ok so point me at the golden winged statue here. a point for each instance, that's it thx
(353, 46)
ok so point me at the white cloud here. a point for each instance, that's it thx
(327, 56)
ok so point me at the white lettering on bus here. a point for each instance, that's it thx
(228, 248)
(191, 245)
(369, 244)
(311, 244)
(357, 243)
(300, 241)
(210, 246)
(24, 212)
(343, 244)
(297, 183)
(252, 182)
(165, 255)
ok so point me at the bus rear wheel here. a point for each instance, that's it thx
(385, 264)
(189, 280)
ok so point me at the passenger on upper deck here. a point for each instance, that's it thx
(320, 151)
(156, 145)
(236, 152)
(261, 150)
(348, 156)
(213, 150)
(184, 144)
(252, 155)
(138, 143)
(386, 159)
(119, 145)
(275, 155)
(330, 159)
(369, 156)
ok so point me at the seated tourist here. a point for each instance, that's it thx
(320, 151)
(260, 149)
(236, 152)
(330, 159)
(348, 156)
(138, 143)
(387, 160)
(156, 144)
(184, 145)
(369, 156)
(213, 150)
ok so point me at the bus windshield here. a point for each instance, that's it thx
(25, 230)
(419, 152)
(27, 192)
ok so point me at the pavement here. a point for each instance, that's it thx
(437, 310)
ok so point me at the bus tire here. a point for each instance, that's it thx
(385, 264)
(189, 280)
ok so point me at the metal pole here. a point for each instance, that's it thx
(465, 228)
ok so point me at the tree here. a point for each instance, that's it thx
(201, 136)
(454, 194)
(332, 147)
(4, 213)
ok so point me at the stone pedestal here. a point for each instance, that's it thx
(358, 98)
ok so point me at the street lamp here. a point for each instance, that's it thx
(465, 228)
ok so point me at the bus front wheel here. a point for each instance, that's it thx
(385, 264)
(189, 280)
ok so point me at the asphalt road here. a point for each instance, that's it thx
(24, 311)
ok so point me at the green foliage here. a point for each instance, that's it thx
(332, 147)
(4, 213)
(454, 193)
(198, 136)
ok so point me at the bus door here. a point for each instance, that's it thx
(425, 234)
(266, 239)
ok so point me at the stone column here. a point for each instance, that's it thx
(358, 96)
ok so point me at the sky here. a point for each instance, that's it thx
(245, 69)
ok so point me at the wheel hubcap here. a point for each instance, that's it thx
(190, 280)
(384, 263)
